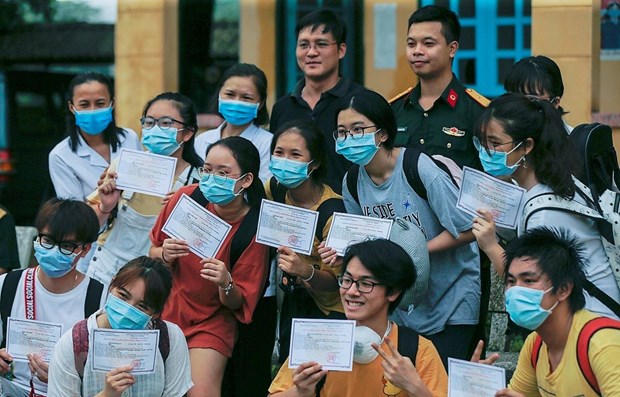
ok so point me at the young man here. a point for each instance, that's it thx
(375, 274)
(439, 114)
(322, 93)
(54, 291)
(544, 282)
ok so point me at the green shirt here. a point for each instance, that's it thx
(446, 128)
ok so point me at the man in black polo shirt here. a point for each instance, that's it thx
(438, 115)
(322, 93)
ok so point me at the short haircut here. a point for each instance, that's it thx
(331, 23)
(377, 109)
(388, 262)
(157, 280)
(537, 75)
(559, 256)
(67, 218)
(450, 25)
(315, 143)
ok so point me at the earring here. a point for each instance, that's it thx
(524, 162)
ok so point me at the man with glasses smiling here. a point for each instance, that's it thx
(323, 92)
(54, 291)
(375, 274)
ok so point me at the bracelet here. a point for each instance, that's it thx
(102, 211)
(229, 287)
(311, 275)
(162, 255)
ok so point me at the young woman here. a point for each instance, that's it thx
(523, 139)
(94, 140)
(242, 102)
(168, 128)
(299, 166)
(365, 136)
(60, 294)
(137, 296)
(210, 295)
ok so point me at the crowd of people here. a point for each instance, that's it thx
(105, 261)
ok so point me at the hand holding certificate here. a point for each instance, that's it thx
(482, 191)
(113, 349)
(286, 225)
(349, 229)
(328, 342)
(467, 379)
(144, 172)
(25, 337)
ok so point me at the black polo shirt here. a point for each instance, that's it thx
(446, 128)
(325, 114)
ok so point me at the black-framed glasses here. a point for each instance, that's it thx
(163, 122)
(223, 175)
(492, 149)
(356, 132)
(319, 45)
(65, 247)
(363, 286)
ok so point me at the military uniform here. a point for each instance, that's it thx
(446, 128)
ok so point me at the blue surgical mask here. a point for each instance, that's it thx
(218, 189)
(359, 151)
(93, 122)
(53, 262)
(122, 315)
(237, 112)
(495, 164)
(523, 306)
(159, 141)
(289, 173)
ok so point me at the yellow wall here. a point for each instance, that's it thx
(146, 55)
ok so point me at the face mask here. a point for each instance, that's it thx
(290, 173)
(93, 122)
(359, 151)
(237, 112)
(53, 262)
(363, 353)
(122, 315)
(495, 164)
(523, 306)
(219, 190)
(159, 141)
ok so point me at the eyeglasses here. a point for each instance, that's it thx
(355, 133)
(318, 45)
(65, 247)
(554, 101)
(492, 149)
(363, 286)
(223, 175)
(163, 122)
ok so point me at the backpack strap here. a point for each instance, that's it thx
(278, 190)
(410, 167)
(583, 346)
(352, 176)
(536, 351)
(80, 345)
(164, 338)
(7, 297)
(244, 236)
(198, 197)
(408, 341)
(93, 297)
(326, 210)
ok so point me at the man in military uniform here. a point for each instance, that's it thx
(322, 93)
(439, 114)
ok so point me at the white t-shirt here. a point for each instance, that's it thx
(66, 308)
(259, 137)
(175, 381)
(75, 174)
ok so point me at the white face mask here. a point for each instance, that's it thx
(363, 353)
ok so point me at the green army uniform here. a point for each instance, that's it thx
(446, 128)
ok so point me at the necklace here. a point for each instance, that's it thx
(77, 274)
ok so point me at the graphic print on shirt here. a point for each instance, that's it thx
(389, 389)
(386, 211)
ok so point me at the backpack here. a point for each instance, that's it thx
(408, 340)
(9, 289)
(81, 341)
(583, 345)
(410, 167)
(605, 212)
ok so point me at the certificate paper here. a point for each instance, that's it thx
(349, 229)
(328, 342)
(112, 349)
(144, 172)
(24, 337)
(204, 232)
(480, 190)
(467, 379)
(286, 225)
